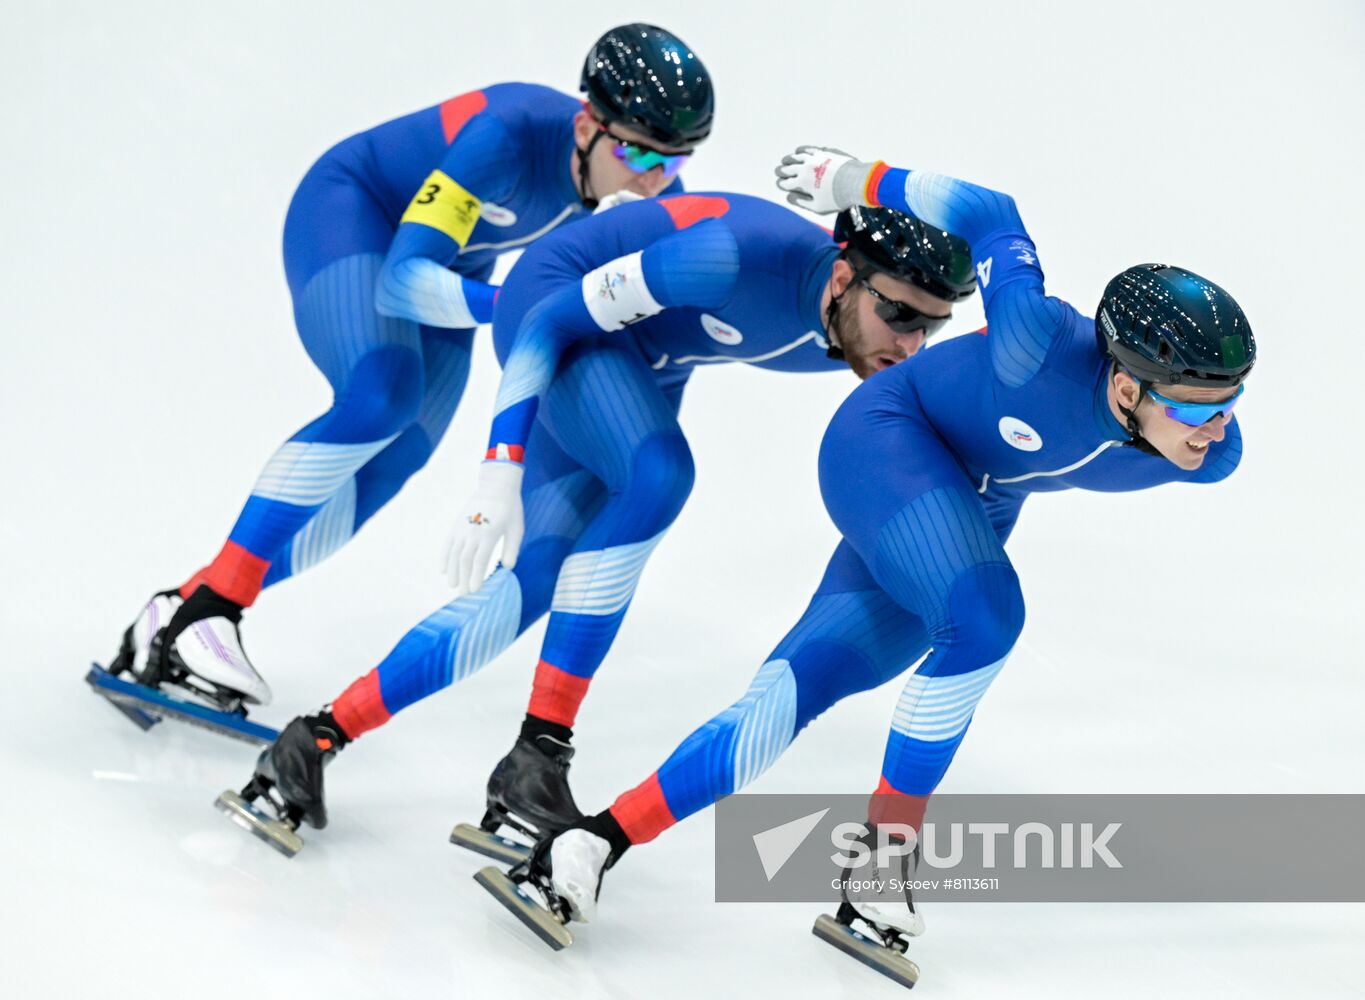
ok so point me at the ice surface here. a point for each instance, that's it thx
(1183, 640)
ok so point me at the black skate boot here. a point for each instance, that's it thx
(288, 779)
(560, 879)
(529, 792)
(875, 929)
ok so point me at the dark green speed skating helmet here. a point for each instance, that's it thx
(1169, 326)
(900, 245)
(649, 79)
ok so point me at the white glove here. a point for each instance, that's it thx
(492, 514)
(618, 198)
(821, 179)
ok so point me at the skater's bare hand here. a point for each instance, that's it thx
(492, 515)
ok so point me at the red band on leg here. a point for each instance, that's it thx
(556, 694)
(192, 584)
(360, 707)
(887, 805)
(643, 812)
(234, 573)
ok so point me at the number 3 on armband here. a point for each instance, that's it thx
(445, 206)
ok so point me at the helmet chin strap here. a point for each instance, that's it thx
(584, 181)
(1138, 441)
(835, 351)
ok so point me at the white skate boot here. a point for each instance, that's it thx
(137, 637)
(183, 659)
(565, 875)
(200, 651)
(879, 909)
(887, 917)
(577, 860)
(211, 651)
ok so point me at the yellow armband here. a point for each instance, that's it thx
(443, 204)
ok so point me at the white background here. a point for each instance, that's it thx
(1182, 640)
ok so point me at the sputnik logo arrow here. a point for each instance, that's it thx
(776, 846)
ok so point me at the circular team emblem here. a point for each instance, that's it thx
(721, 332)
(496, 215)
(1018, 434)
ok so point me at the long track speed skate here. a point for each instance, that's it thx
(146, 706)
(485, 839)
(278, 827)
(528, 793)
(880, 948)
(288, 784)
(561, 880)
(545, 918)
(147, 680)
(876, 930)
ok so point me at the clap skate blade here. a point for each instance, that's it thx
(484, 839)
(98, 678)
(543, 923)
(489, 844)
(119, 665)
(145, 706)
(275, 832)
(871, 952)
